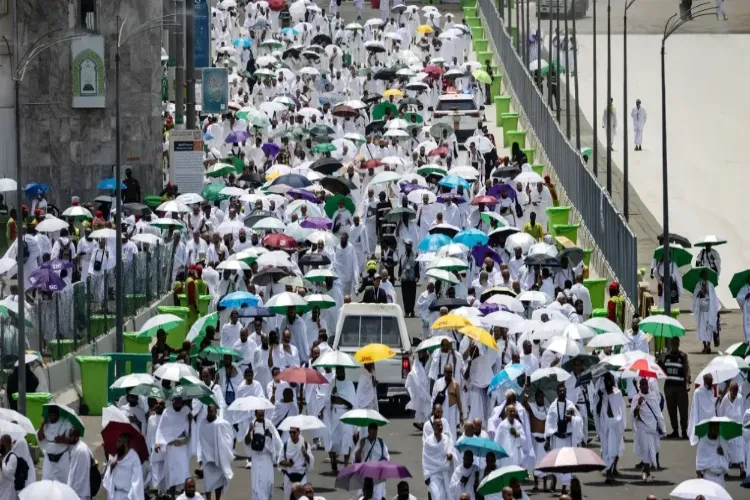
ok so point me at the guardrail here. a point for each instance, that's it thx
(607, 230)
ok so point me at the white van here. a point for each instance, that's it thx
(363, 324)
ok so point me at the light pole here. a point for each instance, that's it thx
(596, 104)
(556, 67)
(518, 28)
(567, 72)
(522, 27)
(539, 43)
(154, 23)
(609, 98)
(673, 24)
(18, 73)
(528, 28)
(575, 84)
(625, 146)
(549, 80)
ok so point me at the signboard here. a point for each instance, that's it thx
(87, 54)
(202, 34)
(215, 90)
(186, 160)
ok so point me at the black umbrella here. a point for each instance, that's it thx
(375, 47)
(293, 181)
(372, 98)
(676, 238)
(309, 54)
(540, 259)
(574, 255)
(498, 236)
(292, 52)
(594, 372)
(387, 74)
(314, 260)
(135, 209)
(321, 39)
(409, 101)
(444, 229)
(496, 290)
(326, 166)
(448, 303)
(587, 360)
(338, 185)
(269, 276)
(506, 172)
(395, 214)
(375, 126)
(257, 215)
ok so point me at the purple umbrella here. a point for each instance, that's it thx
(271, 148)
(46, 280)
(457, 199)
(408, 187)
(237, 136)
(57, 265)
(322, 223)
(498, 188)
(481, 252)
(302, 194)
(488, 308)
(352, 477)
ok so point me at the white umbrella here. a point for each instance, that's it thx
(15, 431)
(464, 171)
(442, 275)
(503, 319)
(448, 263)
(543, 249)
(174, 206)
(481, 143)
(723, 368)
(511, 303)
(416, 196)
(397, 133)
(433, 342)
(14, 416)
(534, 296)
(310, 112)
(395, 161)
(286, 299)
(558, 373)
(277, 258)
(385, 177)
(244, 408)
(693, 488)
(7, 265)
(48, 490)
(132, 380)
(159, 321)
(550, 329)
(396, 123)
(609, 339)
(328, 239)
(333, 359)
(315, 274)
(189, 198)
(529, 177)
(231, 191)
(577, 331)
(77, 212)
(149, 238)
(269, 224)
(603, 325)
(564, 346)
(7, 185)
(453, 249)
(309, 70)
(301, 422)
(523, 240)
(107, 234)
(51, 225)
(233, 265)
(174, 371)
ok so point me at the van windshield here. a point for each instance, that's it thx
(358, 331)
(456, 104)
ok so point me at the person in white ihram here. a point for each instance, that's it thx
(80, 466)
(743, 300)
(612, 113)
(639, 116)
(215, 452)
(563, 428)
(648, 422)
(53, 439)
(703, 406)
(438, 461)
(123, 478)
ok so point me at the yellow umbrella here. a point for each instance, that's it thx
(423, 28)
(273, 176)
(450, 322)
(372, 353)
(393, 92)
(480, 335)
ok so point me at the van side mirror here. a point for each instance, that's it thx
(415, 341)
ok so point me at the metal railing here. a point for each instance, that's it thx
(606, 226)
(64, 321)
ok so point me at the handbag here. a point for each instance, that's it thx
(258, 440)
(674, 293)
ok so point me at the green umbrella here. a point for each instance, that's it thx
(500, 478)
(238, 163)
(320, 300)
(425, 171)
(263, 73)
(482, 76)
(194, 391)
(414, 118)
(150, 391)
(691, 278)
(437, 130)
(738, 281)
(164, 322)
(728, 428)
(679, 255)
(396, 214)
(215, 353)
(660, 325)
(740, 349)
(488, 217)
(260, 121)
(211, 192)
(220, 170)
(325, 147)
(332, 204)
(322, 130)
(66, 414)
(380, 110)
(207, 399)
(559, 67)
(271, 44)
(363, 418)
(587, 152)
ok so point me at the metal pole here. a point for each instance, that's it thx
(556, 66)
(567, 73)
(522, 47)
(625, 146)
(518, 28)
(665, 190)
(575, 85)
(179, 73)
(596, 104)
(528, 33)
(549, 80)
(190, 62)
(539, 43)
(609, 100)
(21, 327)
(118, 204)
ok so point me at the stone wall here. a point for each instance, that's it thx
(73, 149)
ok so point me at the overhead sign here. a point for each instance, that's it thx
(87, 54)
(202, 34)
(186, 160)
(215, 90)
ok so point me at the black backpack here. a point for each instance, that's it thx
(258, 440)
(26, 253)
(22, 472)
(95, 477)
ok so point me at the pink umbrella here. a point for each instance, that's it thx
(353, 476)
(567, 460)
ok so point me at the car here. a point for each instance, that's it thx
(363, 324)
(461, 112)
(576, 8)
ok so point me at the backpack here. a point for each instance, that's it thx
(26, 253)
(22, 472)
(95, 477)
(66, 253)
(258, 440)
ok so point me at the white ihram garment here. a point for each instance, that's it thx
(709, 462)
(216, 453)
(436, 467)
(125, 482)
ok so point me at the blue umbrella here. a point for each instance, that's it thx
(471, 237)
(243, 42)
(433, 242)
(289, 31)
(207, 137)
(110, 184)
(239, 299)
(506, 376)
(33, 189)
(236, 136)
(46, 280)
(453, 181)
(481, 447)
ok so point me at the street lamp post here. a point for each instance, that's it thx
(596, 104)
(154, 23)
(18, 73)
(673, 24)
(575, 84)
(609, 98)
(625, 146)
(567, 73)
(556, 66)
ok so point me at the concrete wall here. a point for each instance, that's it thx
(73, 149)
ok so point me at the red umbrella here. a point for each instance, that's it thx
(114, 430)
(372, 164)
(302, 375)
(442, 150)
(487, 200)
(568, 460)
(433, 70)
(280, 241)
(276, 5)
